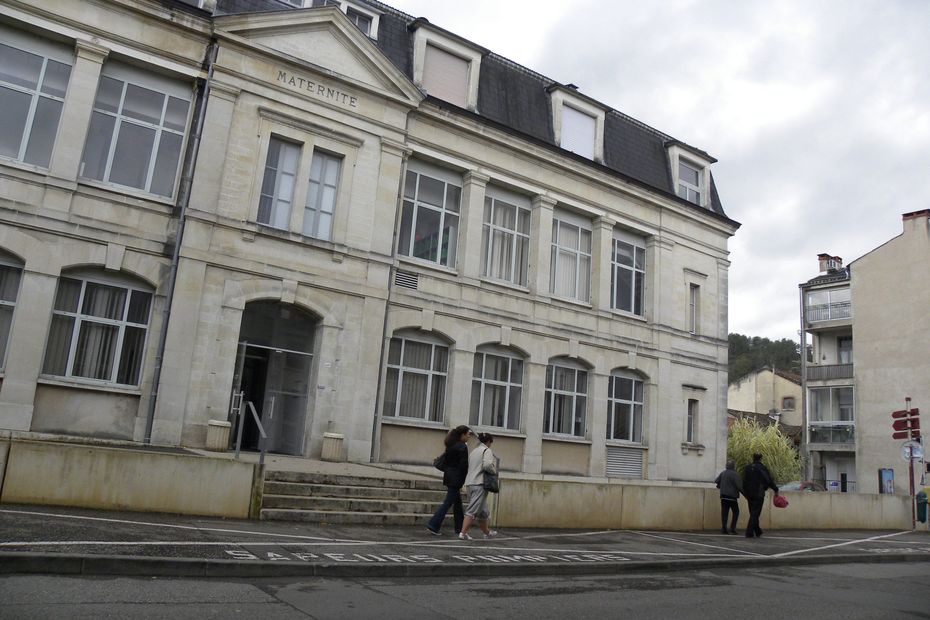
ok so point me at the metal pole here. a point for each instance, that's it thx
(910, 470)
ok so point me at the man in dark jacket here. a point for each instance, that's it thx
(729, 484)
(756, 479)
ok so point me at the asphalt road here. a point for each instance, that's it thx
(838, 591)
(81, 542)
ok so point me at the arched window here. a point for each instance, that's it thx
(625, 407)
(10, 276)
(497, 388)
(417, 369)
(99, 330)
(566, 398)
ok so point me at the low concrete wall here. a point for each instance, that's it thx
(125, 479)
(564, 504)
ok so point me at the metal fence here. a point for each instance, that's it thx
(828, 312)
(825, 372)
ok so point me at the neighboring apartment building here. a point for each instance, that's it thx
(389, 231)
(879, 302)
(775, 393)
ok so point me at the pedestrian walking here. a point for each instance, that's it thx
(756, 480)
(455, 469)
(729, 484)
(481, 462)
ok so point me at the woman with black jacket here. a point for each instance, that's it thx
(456, 468)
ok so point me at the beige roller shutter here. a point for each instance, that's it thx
(445, 75)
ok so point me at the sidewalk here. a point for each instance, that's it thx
(43, 539)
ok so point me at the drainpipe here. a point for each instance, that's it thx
(184, 195)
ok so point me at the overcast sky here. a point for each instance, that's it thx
(818, 112)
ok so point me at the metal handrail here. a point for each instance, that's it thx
(261, 430)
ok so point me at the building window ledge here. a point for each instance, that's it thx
(687, 447)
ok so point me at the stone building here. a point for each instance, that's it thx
(879, 302)
(362, 224)
(772, 392)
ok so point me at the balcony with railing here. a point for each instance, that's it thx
(828, 312)
(826, 372)
(834, 434)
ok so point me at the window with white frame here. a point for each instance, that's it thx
(278, 183)
(98, 331)
(570, 270)
(34, 76)
(10, 277)
(363, 18)
(415, 385)
(832, 405)
(505, 237)
(627, 273)
(566, 399)
(579, 132)
(137, 130)
(694, 308)
(689, 181)
(361, 21)
(692, 421)
(430, 218)
(497, 389)
(321, 195)
(625, 407)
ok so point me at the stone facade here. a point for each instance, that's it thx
(769, 393)
(313, 295)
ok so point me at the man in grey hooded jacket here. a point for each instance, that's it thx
(729, 484)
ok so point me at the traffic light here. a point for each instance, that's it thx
(906, 424)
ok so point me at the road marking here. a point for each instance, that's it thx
(740, 552)
(842, 544)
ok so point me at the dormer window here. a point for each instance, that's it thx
(365, 19)
(578, 123)
(689, 181)
(690, 169)
(445, 66)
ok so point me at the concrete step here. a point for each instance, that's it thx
(347, 480)
(302, 489)
(347, 504)
(329, 516)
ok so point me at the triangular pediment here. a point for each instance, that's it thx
(325, 40)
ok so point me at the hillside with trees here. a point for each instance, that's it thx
(749, 354)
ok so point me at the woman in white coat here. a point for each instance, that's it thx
(480, 461)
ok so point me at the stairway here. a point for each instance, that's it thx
(339, 498)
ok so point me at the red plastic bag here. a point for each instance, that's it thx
(780, 501)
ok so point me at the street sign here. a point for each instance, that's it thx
(912, 450)
(906, 424)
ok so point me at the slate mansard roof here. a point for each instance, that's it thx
(516, 99)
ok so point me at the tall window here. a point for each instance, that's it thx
(362, 21)
(496, 390)
(32, 91)
(832, 404)
(694, 307)
(321, 197)
(579, 132)
(566, 400)
(505, 240)
(416, 379)
(98, 331)
(844, 349)
(571, 260)
(10, 277)
(625, 408)
(136, 130)
(278, 183)
(689, 182)
(627, 276)
(430, 219)
(692, 422)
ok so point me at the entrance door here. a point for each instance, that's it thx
(276, 382)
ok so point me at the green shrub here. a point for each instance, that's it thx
(747, 437)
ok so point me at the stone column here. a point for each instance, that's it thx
(597, 426)
(534, 392)
(385, 216)
(470, 252)
(214, 146)
(540, 246)
(458, 394)
(76, 111)
(601, 249)
(25, 349)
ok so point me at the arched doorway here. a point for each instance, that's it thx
(273, 372)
